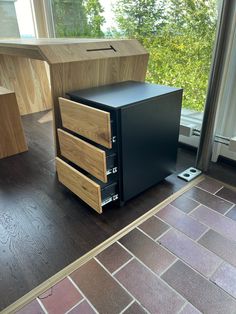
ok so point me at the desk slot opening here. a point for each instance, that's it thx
(102, 49)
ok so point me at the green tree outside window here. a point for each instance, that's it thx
(178, 34)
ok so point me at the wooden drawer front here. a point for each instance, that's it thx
(83, 154)
(89, 122)
(82, 186)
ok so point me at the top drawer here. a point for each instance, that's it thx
(92, 123)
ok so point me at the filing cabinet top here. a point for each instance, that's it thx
(122, 94)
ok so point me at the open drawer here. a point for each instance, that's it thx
(92, 123)
(86, 156)
(88, 190)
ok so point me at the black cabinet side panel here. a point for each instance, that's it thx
(150, 133)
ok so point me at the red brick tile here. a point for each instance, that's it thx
(207, 199)
(154, 227)
(210, 185)
(61, 297)
(135, 308)
(31, 308)
(225, 277)
(204, 295)
(227, 194)
(106, 295)
(149, 252)
(189, 309)
(185, 204)
(191, 252)
(223, 247)
(220, 223)
(182, 222)
(149, 290)
(232, 213)
(114, 257)
(82, 308)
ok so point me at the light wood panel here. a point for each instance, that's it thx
(72, 67)
(95, 73)
(40, 18)
(83, 154)
(64, 50)
(24, 51)
(29, 80)
(71, 52)
(46, 118)
(12, 138)
(89, 122)
(5, 91)
(82, 186)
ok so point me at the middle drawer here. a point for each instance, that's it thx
(86, 156)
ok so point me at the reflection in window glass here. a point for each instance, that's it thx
(9, 27)
(25, 18)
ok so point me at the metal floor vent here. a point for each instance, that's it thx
(189, 174)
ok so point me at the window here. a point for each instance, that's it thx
(178, 34)
(25, 18)
(16, 19)
(9, 26)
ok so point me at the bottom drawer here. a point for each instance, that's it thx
(88, 190)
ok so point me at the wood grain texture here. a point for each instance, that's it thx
(46, 118)
(72, 67)
(98, 72)
(12, 138)
(40, 17)
(64, 50)
(71, 52)
(89, 122)
(5, 91)
(83, 154)
(29, 79)
(82, 186)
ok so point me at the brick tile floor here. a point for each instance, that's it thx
(191, 252)
(184, 223)
(232, 213)
(182, 260)
(185, 204)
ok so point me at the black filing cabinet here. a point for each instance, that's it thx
(145, 121)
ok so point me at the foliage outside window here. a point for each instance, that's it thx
(179, 35)
(78, 18)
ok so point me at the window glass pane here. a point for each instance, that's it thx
(78, 18)
(9, 27)
(16, 19)
(178, 34)
(25, 18)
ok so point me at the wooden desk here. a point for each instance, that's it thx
(41, 70)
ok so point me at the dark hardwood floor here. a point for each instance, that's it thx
(43, 226)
